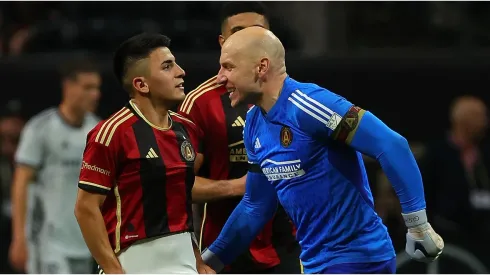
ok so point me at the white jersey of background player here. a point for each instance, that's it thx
(50, 155)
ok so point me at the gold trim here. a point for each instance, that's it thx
(191, 93)
(95, 185)
(109, 126)
(128, 116)
(181, 117)
(199, 94)
(202, 226)
(118, 217)
(235, 144)
(114, 116)
(147, 121)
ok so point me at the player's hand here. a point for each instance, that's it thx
(202, 268)
(423, 243)
(18, 254)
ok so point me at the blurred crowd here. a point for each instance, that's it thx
(38, 26)
(455, 166)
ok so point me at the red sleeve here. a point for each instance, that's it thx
(97, 174)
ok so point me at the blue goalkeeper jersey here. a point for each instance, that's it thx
(320, 181)
(304, 153)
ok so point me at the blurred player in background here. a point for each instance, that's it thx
(223, 161)
(134, 202)
(11, 125)
(303, 144)
(49, 154)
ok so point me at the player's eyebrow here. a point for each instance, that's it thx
(168, 61)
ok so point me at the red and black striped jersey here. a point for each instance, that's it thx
(225, 157)
(147, 173)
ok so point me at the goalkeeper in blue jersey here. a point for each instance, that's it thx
(304, 146)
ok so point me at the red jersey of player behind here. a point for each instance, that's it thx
(225, 157)
(147, 173)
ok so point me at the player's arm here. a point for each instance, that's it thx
(206, 190)
(257, 206)
(28, 158)
(367, 134)
(96, 181)
(23, 175)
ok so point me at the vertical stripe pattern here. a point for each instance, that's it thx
(153, 181)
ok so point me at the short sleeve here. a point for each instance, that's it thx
(324, 114)
(99, 166)
(31, 145)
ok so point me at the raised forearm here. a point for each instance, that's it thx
(95, 234)
(206, 190)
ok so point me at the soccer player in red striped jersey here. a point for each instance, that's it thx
(134, 204)
(223, 161)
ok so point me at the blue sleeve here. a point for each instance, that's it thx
(369, 135)
(256, 208)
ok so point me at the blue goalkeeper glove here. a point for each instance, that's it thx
(423, 243)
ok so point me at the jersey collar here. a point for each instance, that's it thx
(281, 101)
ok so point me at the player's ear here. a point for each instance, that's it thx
(221, 40)
(140, 85)
(264, 66)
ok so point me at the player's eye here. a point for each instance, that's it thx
(227, 67)
(167, 66)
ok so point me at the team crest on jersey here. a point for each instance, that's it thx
(286, 136)
(187, 151)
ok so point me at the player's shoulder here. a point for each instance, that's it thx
(202, 95)
(252, 112)
(42, 119)
(312, 90)
(250, 119)
(115, 125)
(181, 119)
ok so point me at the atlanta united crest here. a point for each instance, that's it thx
(187, 151)
(286, 136)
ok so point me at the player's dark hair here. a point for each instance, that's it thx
(134, 49)
(233, 8)
(77, 65)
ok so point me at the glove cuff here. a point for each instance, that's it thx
(212, 260)
(415, 218)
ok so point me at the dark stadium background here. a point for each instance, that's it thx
(404, 61)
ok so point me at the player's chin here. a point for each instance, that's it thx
(235, 98)
(235, 102)
(179, 94)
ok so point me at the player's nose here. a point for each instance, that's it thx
(221, 78)
(180, 72)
